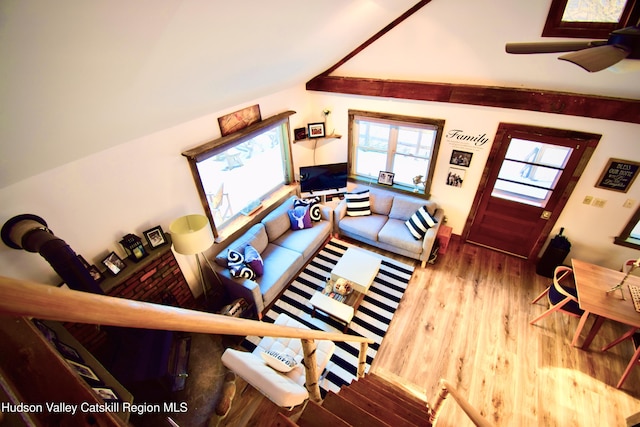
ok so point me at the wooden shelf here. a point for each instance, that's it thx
(332, 136)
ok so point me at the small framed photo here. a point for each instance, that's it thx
(155, 237)
(114, 263)
(96, 274)
(455, 177)
(107, 394)
(83, 370)
(69, 352)
(300, 133)
(386, 178)
(460, 158)
(316, 130)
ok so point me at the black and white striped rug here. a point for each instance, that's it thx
(371, 320)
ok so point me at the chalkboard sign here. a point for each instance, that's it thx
(618, 175)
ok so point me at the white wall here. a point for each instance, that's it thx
(591, 230)
(92, 202)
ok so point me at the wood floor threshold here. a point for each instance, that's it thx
(496, 249)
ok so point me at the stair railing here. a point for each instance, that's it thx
(446, 389)
(30, 299)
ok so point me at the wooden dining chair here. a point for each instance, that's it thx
(561, 296)
(634, 336)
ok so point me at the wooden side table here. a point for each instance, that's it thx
(444, 236)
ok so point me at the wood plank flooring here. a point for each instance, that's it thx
(466, 319)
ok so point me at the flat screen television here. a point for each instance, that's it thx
(323, 177)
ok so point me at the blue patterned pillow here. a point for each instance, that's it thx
(314, 207)
(420, 222)
(237, 267)
(300, 218)
(358, 204)
(253, 259)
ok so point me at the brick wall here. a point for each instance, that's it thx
(160, 281)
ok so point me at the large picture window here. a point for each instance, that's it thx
(234, 171)
(406, 146)
(630, 236)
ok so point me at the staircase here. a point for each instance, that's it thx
(368, 402)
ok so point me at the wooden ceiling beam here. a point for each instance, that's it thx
(546, 101)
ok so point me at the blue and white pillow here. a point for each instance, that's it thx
(420, 222)
(314, 207)
(281, 362)
(358, 204)
(299, 218)
(237, 267)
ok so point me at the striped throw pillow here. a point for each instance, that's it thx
(358, 203)
(420, 222)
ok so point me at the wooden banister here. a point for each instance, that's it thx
(446, 389)
(24, 298)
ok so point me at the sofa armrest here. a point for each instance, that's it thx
(431, 236)
(242, 288)
(327, 214)
(338, 213)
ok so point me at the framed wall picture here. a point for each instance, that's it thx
(83, 370)
(460, 158)
(96, 274)
(386, 178)
(316, 130)
(299, 134)
(618, 175)
(239, 120)
(107, 394)
(455, 177)
(155, 237)
(114, 263)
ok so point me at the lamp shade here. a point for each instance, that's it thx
(191, 234)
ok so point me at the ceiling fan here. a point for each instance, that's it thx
(594, 55)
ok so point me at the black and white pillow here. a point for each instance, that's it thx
(358, 204)
(420, 222)
(314, 207)
(237, 267)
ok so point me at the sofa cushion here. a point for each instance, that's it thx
(278, 264)
(314, 207)
(299, 218)
(380, 202)
(419, 223)
(358, 203)
(256, 236)
(305, 241)
(277, 221)
(396, 233)
(237, 267)
(403, 207)
(366, 226)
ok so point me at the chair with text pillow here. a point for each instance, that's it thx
(562, 294)
(274, 367)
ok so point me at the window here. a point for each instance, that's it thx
(530, 171)
(403, 145)
(234, 171)
(589, 18)
(630, 236)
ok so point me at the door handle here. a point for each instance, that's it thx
(545, 215)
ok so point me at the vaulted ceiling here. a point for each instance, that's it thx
(78, 77)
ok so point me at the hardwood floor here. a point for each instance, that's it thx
(466, 319)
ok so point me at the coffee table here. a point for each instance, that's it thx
(359, 267)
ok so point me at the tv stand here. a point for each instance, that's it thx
(325, 195)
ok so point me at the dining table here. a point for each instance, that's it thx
(592, 283)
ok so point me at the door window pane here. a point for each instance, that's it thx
(530, 171)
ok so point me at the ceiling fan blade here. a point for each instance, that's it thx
(551, 47)
(597, 58)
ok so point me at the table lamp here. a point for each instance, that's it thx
(192, 235)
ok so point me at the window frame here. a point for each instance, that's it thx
(216, 146)
(625, 239)
(399, 119)
(556, 27)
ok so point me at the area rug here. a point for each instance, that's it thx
(371, 320)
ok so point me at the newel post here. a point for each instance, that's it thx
(434, 410)
(362, 359)
(311, 369)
